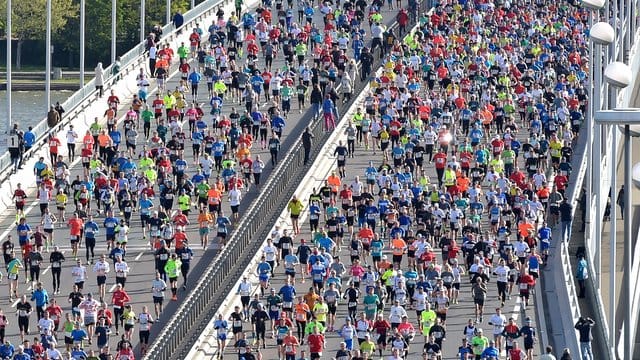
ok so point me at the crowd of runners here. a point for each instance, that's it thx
(489, 95)
(135, 172)
(471, 125)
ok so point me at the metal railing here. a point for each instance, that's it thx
(176, 338)
(84, 97)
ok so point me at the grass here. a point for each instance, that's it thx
(34, 68)
(61, 81)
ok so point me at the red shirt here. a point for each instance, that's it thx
(441, 160)
(53, 145)
(497, 146)
(180, 238)
(120, 298)
(158, 105)
(54, 312)
(316, 343)
(19, 195)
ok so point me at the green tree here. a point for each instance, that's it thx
(29, 20)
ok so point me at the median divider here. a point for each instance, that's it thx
(206, 346)
(219, 279)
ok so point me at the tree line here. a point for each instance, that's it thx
(29, 29)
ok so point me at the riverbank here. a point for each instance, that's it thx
(35, 80)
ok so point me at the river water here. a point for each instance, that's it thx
(28, 107)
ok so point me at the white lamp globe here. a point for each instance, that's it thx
(602, 33)
(618, 74)
(593, 4)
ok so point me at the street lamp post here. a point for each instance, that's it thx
(143, 35)
(601, 34)
(168, 14)
(113, 31)
(82, 27)
(47, 75)
(9, 35)
(619, 75)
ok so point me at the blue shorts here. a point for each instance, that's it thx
(222, 336)
(349, 343)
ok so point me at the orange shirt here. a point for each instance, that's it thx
(290, 345)
(334, 181)
(398, 245)
(88, 141)
(524, 229)
(302, 311)
(310, 299)
(463, 183)
(213, 196)
(242, 152)
(104, 140)
(204, 219)
(75, 226)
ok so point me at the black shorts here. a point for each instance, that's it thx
(111, 237)
(479, 302)
(332, 308)
(158, 300)
(144, 336)
(23, 323)
(234, 209)
(128, 327)
(102, 279)
(68, 340)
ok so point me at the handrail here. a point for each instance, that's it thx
(177, 336)
(82, 98)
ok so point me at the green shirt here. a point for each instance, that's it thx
(172, 268)
(183, 52)
(479, 343)
(147, 115)
(370, 302)
(95, 129)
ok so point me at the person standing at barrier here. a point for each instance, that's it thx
(582, 274)
(307, 142)
(566, 219)
(99, 79)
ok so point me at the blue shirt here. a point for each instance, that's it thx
(110, 224)
(29, 138)
(195, 78)
(222, 222)
(327, 106)
(288, 293)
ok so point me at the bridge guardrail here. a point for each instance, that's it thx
(81, 99)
